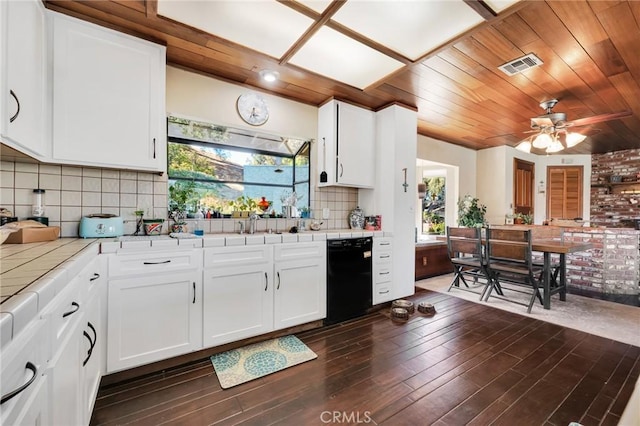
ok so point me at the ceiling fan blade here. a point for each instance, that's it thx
(599, 118)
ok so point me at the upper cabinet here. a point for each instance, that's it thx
(346, 145)
(108, 98)
(23, 77)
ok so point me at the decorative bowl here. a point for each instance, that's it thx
(426, 309)
(153, 226)
(401, 303)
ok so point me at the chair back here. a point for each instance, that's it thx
(512, 245)
(464, 242)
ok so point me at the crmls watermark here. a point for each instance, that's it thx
(345, 417)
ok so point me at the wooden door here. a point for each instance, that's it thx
(523, 185)
(564, 192)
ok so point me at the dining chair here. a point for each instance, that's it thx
(511, 267)
(466, 252)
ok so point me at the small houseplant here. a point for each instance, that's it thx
(471, 213)
(180, 194)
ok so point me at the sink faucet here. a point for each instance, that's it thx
(241, 223)
(252, 223)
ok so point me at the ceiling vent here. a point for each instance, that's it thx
(520, 64)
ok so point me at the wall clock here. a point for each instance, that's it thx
(253, 109)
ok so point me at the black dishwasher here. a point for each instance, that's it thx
(349, 288)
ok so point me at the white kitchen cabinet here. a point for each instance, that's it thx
(346, 145)
(300, 285)
(153, 317)
(382, 270)
(108, 97)
(93, 346)
(23, 369)
(237, 293)
(395, 196)
(24, 124)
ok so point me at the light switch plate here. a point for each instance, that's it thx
(326, 213)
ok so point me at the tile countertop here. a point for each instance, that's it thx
(32, 274)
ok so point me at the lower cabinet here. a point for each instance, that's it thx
(300, 289)
(153, 317)
(431, 260)
(78, 339)
(23, 374)
(252, 290)
(237, 293)
(383, 289)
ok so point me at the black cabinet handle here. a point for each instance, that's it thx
(73, 311)
(266, 282)
(13, 393)
(157, 263)
(12, 119)
(384, 292)
(386, 256)
(341, 169)
(278, 288)
(92, 343)
(94, 277)
(194, 292)
(154, 148)
(384, 273)
(385, 244)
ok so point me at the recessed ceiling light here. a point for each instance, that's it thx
(269, 75)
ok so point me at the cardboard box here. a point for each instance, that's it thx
(33, 235)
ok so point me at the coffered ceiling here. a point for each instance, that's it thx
(439, 56)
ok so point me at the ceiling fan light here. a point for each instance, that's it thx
(555, 146)
(573, 139)
(542, 141)
(524, 146)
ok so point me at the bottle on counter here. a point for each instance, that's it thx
(199, 216)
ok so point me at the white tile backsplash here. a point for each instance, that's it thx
(72, 192)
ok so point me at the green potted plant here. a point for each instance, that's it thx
(243, 206)
(180, 194)
(471, 213)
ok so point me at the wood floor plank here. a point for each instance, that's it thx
(469, 364)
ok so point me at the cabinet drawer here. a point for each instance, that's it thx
(160, 262)
(382, 293)
(299, 251)
(383, 243)
(383, 274)
(63, 312)
(382, 257)
(22, 356)
(236, 256)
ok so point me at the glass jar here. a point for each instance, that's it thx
(37, 207)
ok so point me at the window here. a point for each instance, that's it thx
(226, 169)
(433, 206)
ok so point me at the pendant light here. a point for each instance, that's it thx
(573, 139)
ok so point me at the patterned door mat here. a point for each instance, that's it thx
(259, 359)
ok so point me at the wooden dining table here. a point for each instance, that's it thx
(549, 247)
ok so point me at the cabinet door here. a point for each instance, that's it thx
(108, 97)
(238, 303)
(23, 121)
(91, 350)
(152, 318)
(300, 291)
(65, 370)
(346, 148)
(355, 148)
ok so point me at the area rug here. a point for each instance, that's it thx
(259, 359)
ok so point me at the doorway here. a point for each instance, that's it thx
(523, 184)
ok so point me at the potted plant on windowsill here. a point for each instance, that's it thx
(180, 194)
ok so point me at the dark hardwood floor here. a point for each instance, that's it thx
(468, 365)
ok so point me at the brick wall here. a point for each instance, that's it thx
(615, 205)
(611, 266)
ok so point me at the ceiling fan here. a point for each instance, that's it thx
(548, 128)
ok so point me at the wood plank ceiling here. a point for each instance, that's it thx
(589, 49)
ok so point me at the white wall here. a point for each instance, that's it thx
(196, 96)
(495, 180)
